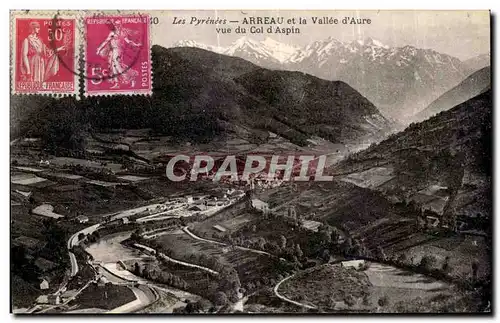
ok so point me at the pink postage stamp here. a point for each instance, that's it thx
(44, 55)
(117, 55)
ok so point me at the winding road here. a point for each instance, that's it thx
(276, 287)
(192, 235)
(175, 261)
(286, 299)
(73, 241)
(132, 306)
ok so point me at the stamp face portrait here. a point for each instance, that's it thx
(117, 55)
(45, 55)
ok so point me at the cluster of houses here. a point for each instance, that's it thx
(64, 294)
(353, 264)
(82, 219)
(431, 221)
(263, 181)
(56, 298)
(259, 205)
(198, 202)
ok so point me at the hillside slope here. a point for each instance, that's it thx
(199, 96)
(442, 164)
(439, 168)
(400, 81)
(476, 63)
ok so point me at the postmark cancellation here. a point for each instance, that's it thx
(117, 55)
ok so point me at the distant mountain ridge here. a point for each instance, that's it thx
(473, 85)
(478, 62)
(269, 50)
(400, 81)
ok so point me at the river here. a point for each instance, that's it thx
(109, 250)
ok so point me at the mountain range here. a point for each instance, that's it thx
(400, 81)
(199, 96)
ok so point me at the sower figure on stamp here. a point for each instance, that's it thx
(38, 62)
(113, 47)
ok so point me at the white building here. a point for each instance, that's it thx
(356, 264)
(54, 299)
(260, 205)
(44, 284)
(82, 219)
(102, 281)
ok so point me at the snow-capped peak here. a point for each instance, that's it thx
(269, 48)
(270, 51)
(193, 43)
(370, 42)
(243, 42)
(279, 50)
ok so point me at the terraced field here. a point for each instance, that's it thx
(249, 265)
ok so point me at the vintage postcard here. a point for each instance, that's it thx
(251, 161)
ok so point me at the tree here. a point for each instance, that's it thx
(335, 236)
(261, 242)
(282, 242)
(325, 255)
(249, 286)
(203, 305)
(298, 251)
(348, 246)
(356, 249)
(446, 265)
(136, 235)
(81, 236)
(349, 300)
(137, 269)
(427, 262)
(254, 228)
(233, 297)
(402, 259)
(193, 307)
(381, 254)
(325, 237)
(331, 303)
(56, 237)
(366, 300)
(475, 268)
(383, 301)
(220, 299)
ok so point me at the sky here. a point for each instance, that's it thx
(463, 34)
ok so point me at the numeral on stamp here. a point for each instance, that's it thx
(45, 55)
(117, 55)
